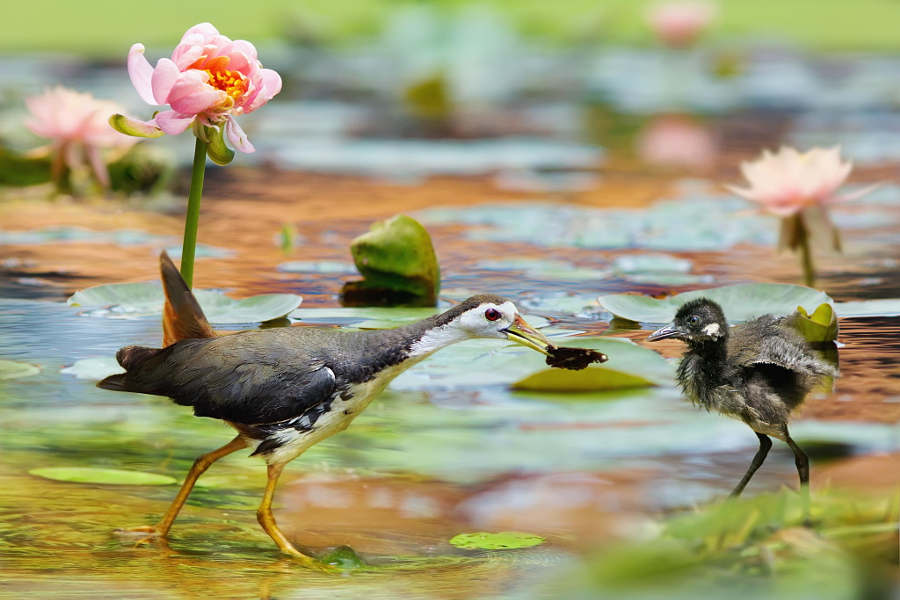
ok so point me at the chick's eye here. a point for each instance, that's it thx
(492, 314)
(694, 320)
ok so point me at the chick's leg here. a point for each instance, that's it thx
(765, 443)
(802, 462)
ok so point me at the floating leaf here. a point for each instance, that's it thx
(102, 476)
(505, 540)
(740, 302)
(141, 299)
(317, 266)
(629, 366)
(888, 307)
(93, 369)
(820, 326)
(10, 369)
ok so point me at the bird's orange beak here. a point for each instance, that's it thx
(523, 333)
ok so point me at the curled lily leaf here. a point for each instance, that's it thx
(135, 127)
(217, 150)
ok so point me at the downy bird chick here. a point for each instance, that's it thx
(758, 372)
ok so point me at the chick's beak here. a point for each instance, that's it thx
(669, 331)
(523, 333)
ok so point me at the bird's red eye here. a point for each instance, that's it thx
(492, 314)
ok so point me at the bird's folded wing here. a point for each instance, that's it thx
(238, 380)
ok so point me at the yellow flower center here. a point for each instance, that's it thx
(229, 82)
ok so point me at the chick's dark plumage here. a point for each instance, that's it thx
(758, 372)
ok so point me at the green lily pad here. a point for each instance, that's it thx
(505, 540)
(142, 299)
(629, 366)
(820, 326)
(10, 369)
(888, 307)
(102, 476)
(740, 302)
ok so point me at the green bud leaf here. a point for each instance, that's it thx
(217, 151)
(134, 127)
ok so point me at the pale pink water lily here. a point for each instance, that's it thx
(209, 81)
(77, 125)
(679, 23)
(789, 181)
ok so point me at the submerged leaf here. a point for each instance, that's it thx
(102, 476)
(10, 369)
(591, 379)
(739, 302)
(142, 299)
(505, 540)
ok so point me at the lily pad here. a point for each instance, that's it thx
(505, 540)
(820, 326)
(142, 299)
(93, 369)
(740, 302)
(10, 369)
(317, 266)
(888, 307)
(629, 366)
(102, 476)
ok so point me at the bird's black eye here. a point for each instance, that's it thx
(694, 320)
(492, 314)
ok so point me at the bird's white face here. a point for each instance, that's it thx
(488, 320)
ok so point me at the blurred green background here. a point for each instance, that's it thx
(107, 29)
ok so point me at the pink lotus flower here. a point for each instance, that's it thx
(209, 80)
(789, 181)
(79, 129)
(678, 23)
(673, 140)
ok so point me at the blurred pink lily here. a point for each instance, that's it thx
(677, 141)
(79, 129)
(678, 23)
(209, 81)
(799, 187)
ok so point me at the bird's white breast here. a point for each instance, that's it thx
(342, 412)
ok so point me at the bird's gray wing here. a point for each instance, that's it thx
(771, 340)
(239, 378)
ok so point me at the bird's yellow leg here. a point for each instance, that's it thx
(267, 520)
(200, 466)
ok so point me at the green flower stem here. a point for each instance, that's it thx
(192, 218)
(806, 259)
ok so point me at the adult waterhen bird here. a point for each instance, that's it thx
(758, 372)
(287, 389)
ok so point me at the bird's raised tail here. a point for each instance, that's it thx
(130, 357)
(182, 316)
